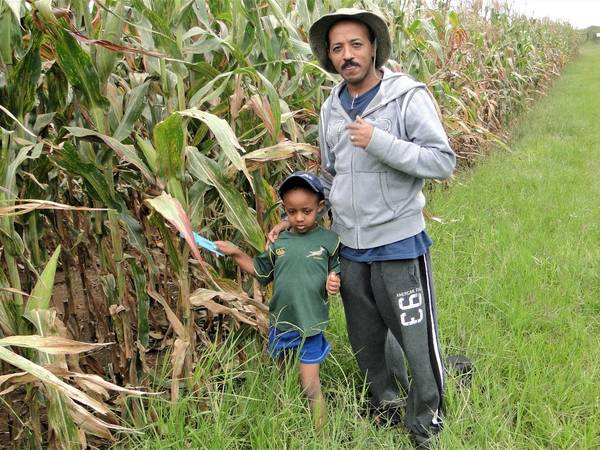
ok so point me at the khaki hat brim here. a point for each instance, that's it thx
(318, 35)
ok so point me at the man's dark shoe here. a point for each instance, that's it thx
(421, 442)
(389, 414)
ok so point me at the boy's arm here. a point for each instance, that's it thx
(241, 259)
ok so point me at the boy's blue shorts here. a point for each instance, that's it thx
(311, 350)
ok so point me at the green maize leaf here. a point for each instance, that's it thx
(196, 208)
(6, 27)
(148, 151)
(68, 158)
(175, 188)
(136, 102)
(23, 79)
(208, 88)
(126, 152)
(169, 141)
(11, 240)
(109, 289)
(15, 7)
(136, 238)
(237, 211)
(11, 171)
(454, 19)
(42, 291)
(300, 47)
(414, 26)
(171, 209)
(208, 44)
(194, 31)
(58, 89)
(143, 302)
(283, 20)
(9, 312)
(111, 31)
(78, 67)
(436, 46)
(23, 127)
(205, 70)
(208, 92)
(224, 135)
(162, 37)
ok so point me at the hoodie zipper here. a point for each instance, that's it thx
(352, 178)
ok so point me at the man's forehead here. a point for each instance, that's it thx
(356, 27)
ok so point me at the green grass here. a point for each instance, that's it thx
(516, 266)
(517, 275)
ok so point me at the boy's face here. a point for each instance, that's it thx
(301, 207)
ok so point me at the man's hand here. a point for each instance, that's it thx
(274, 233)
(360, 132)
(333, 283)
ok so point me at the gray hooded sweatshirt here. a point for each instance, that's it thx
(375, 193)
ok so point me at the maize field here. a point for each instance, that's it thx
(126, 125)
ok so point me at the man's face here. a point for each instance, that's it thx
(350, 51)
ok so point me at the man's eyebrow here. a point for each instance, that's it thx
(352, 41)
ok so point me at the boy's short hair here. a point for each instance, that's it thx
(304, 180)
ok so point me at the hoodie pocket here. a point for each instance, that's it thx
(340, 197)
(372, 199)
(402, 193)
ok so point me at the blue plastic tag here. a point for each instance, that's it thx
(205, 243)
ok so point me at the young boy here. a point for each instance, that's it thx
(304, 266)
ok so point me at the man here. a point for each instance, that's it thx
(380, 138)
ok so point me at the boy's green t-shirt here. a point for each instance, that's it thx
(298, 265)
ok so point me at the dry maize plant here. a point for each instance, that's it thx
(127, 125)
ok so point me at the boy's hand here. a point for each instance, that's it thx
(227, 248)
(333, 283)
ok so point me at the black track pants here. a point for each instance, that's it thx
(396, 296)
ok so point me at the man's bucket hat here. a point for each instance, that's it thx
(319, 33)
(305, 179)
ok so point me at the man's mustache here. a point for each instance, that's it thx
(349, 63)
